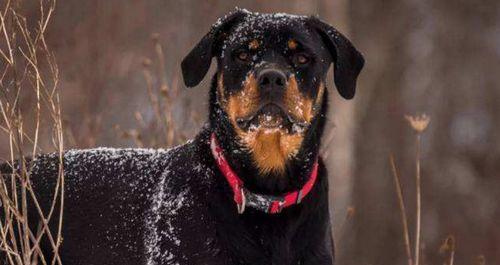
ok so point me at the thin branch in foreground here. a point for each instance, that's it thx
(402, 210)
(26, 51)
(418, 202)
(419, 124)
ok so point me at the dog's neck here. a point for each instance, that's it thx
(297, 168)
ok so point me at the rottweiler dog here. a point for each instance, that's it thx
(250, 188)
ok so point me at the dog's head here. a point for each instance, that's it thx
(270, 81)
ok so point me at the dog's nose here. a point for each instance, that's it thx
(272, 79)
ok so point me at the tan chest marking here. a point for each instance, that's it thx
(271, 149)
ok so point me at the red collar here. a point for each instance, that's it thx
(266, 203)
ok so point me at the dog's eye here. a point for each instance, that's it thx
(300, 59)
(243, 56)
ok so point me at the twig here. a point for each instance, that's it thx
(419, 124)
(23, 54)
(418, 203)
(402, 210)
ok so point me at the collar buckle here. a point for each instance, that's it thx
(299, 197)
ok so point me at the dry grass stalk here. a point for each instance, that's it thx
(418, 202)
(25, 52)
(162, 131)
(419, 124)
(448, 246)
(402, 210)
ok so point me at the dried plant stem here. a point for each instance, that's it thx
(418, 124)
(402, 210)
(166, 92)
(418, 202)
(448, 246)
(162, 130)
(153, 98)
(25, 50)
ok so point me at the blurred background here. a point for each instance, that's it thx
(120, 75)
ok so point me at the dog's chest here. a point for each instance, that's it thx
(260, 238)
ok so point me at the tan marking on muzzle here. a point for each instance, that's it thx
(292, 44)
(297, 104)
(319, 99)
(243, 102)
(253, 45)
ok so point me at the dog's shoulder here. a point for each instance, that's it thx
(179, 225)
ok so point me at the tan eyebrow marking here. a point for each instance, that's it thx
(254, 45)
(292, 44)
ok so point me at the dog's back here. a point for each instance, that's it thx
(125, 206)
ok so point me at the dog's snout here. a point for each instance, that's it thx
(272, 79)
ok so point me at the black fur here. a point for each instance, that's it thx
(196, 64)
(348, 61)
(133, 206)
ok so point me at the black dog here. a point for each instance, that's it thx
(249, 189)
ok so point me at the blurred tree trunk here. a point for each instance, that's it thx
(338, 136)
(378, 131)
(434, 57)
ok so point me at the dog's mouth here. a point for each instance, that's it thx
(271, 117)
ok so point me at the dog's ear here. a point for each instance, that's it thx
(196, 64)
(347, 61)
